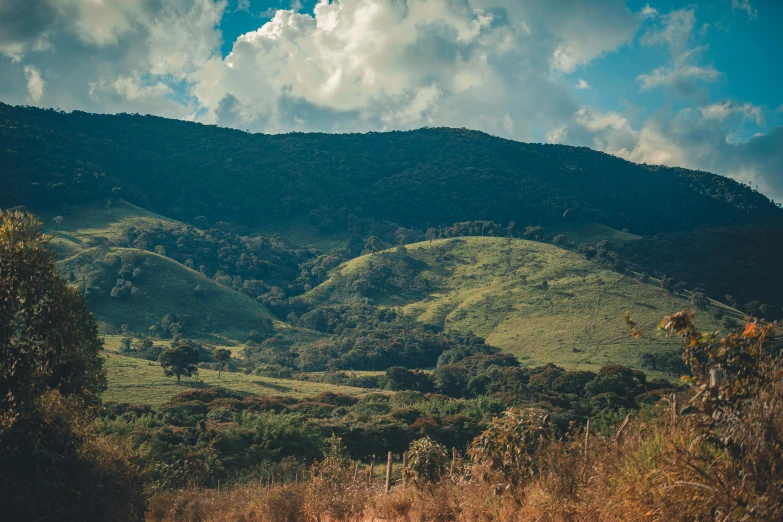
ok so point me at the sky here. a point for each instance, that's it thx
(697, 85)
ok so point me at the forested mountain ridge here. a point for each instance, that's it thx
(422, 178)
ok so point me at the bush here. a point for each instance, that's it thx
(508, 447)
(428, 461)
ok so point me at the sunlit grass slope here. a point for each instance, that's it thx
(140, 381)
(496, 289)
(162, 287)
(90, 221)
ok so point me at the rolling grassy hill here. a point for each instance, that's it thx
(160, 285)
(496, 289)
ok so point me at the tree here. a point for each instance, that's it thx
(48, 338)
(535, 232)
(509, 445)
(431, 235)
(51, 367)
(512, 229)
(373, 244)
(180, 359)
(753, 308)
(427, 461)
(222, 356)
(699, 300)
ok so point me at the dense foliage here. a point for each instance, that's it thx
(422, 178)
(725, 262)
(55, 466)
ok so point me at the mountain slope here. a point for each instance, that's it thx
(427, 177)
(534, 300)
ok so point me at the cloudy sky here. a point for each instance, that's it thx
(692, 84)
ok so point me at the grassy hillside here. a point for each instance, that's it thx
(496, 288)
(86, 240)
(161, 287)
(142, 382)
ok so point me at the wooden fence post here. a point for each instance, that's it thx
(587, 437)
(388, 472)
(619, 435)
(355, 473)
(371, 472)
(454, 457)
(404, 468)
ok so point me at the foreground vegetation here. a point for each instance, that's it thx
(526, 442)
(711, 453)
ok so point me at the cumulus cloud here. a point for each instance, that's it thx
(35, 84)
(727, 109)
(495, 65)
(691, 138)
(744, 5)
(85, 46)
(684, 70)
(582, 84)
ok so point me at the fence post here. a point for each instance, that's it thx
(355, 473)
(371, 472)
(587, 437)
(388, 472)
(618, 437)
(404, 468)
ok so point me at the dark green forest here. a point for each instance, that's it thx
(422, 178)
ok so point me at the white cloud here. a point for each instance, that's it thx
(726, 109)
(681, 74)
(582, 84)
(35, 84)
(697, 139)
(648, 11)
(744, 5)
(684, 70)
(381, 64)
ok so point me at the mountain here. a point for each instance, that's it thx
(422, 178)
(176, 228)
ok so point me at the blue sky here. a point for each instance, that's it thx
(696, 84)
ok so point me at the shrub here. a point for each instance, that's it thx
(509, 446)
(428, 461)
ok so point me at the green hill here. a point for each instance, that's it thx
(160, 287)
(139, 287)
(537, 301)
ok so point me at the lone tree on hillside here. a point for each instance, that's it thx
(431, 235)
(222, 356)
(535, 232)
(373, 245)
(179, 360)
